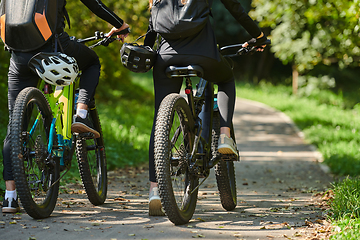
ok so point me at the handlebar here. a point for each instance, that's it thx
(105, 40)
(242, 50)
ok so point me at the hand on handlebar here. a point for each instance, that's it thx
(259, 43)
(123, 28)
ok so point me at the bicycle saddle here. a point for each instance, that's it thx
(189, 71)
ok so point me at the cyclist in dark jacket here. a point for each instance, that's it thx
(20, 77)
(200, 49)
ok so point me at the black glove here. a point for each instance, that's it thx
(257, 42)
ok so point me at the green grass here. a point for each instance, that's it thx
(325, 123)
(333, 126)
(126, 124)
(345, 209)
(346, 229)
(346, 201)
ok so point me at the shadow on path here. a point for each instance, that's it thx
(276, 180)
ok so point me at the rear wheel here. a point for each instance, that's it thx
(35, 169)
(90, 154)
(224, 171)
(174, 137)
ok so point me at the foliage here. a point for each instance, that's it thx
(309, 84)
(113, 74)
(226, 28)
(307, 33)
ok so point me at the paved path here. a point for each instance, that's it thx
(276, 181)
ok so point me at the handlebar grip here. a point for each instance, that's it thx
(267, 42)
(124, 31)
(255, 43)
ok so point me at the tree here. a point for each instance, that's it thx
(306, 33)
(84, 23)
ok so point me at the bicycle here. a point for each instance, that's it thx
(42, 144)
(186, 139)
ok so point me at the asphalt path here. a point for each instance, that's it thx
(280, 186)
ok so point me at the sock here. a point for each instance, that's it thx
(81, 113)
(10, 194)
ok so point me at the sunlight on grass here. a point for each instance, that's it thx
(345, 209)
(332, 129)
(346, 229)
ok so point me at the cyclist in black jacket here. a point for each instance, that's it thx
(200, 49)
(20, 77)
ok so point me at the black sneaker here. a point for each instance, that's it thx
(83, 125)
(10, 205)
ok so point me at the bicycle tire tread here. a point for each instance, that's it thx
(16, 157)
(93, 195)
(163, 123)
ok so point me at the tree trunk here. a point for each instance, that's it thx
(295, 76)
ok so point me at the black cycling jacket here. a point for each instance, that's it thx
(97, 7)
(204, 43)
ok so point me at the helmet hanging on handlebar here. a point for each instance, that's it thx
(55, 68)
(137, 58)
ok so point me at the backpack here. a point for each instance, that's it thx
(172, 19)
(33, 20)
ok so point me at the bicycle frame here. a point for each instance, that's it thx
(202, 107)
(61, 101)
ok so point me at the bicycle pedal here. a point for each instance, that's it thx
(86, 135)
(229, 157)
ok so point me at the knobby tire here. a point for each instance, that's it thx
(91, 158)
(174, 137)
(224, 171)
(34, 171)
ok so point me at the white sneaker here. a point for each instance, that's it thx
(227, 145)
(155, 208)
(10, 205)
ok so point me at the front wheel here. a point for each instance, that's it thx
(224, 171)
(90, 154)
(174, 138)
(36, 170)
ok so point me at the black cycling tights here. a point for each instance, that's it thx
(214, 71)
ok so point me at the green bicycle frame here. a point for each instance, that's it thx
(61, 101)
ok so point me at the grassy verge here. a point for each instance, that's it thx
(126, 123)
(345, 209)
(334, 130)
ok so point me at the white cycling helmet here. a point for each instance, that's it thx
(55, 68)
